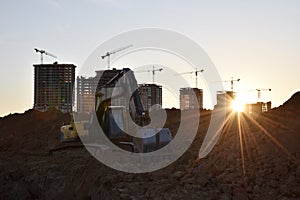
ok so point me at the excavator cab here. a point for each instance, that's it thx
(68, 133)
(114, 124)
(112, 114)
(113, 118)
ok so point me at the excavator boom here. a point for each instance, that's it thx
(117, 95)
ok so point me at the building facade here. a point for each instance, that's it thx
(53, 86)
(191, 98)
(85, 94)
(225, 98)
(151, 94)
(258, 108)
(86, 90)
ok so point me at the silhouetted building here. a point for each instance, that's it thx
(258, 108)
(151, 94)
(111, 81)
(86, 88)
(269, 105)
(225, 99)
(53, 86)
(191, 98)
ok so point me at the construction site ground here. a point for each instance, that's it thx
(266, 168)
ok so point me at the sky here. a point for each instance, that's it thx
(256, 41)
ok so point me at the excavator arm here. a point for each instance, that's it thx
(124, 82)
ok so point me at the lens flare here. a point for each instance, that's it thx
(238, 105)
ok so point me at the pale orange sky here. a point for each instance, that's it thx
(256, 41)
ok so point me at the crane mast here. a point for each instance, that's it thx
(232, 82)
(113, 52)
(153, 73)
(196, 75)
(259, 93)
(42, 52)
(153, 70)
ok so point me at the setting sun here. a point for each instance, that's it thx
(238, 105)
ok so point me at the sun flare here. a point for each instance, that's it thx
(238, 105)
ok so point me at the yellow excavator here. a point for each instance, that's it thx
(69, 133)
(113, 119)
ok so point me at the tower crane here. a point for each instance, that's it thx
(42, 52)
(259, 93)
(113, 52)
(196, 75)
(153, 70)
(231, 82)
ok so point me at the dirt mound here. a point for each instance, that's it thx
(255, 158)
(287, 115)
(31, 130)
(293, 102)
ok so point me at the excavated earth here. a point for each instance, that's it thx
(256, 157)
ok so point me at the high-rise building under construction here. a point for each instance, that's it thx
(86, 88)
(191, 98)
(53, 86)
(151, 94)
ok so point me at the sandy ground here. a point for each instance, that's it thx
(255, 158)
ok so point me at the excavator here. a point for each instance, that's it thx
(118, 111)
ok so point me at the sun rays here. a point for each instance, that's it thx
(249, 129)
(241, 145)
(245, 136)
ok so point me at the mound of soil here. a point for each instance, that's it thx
(32, 130)
(293, 103)
(255, 158)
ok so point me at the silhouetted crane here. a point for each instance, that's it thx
(231, 82)
(259, 93)
(196, 75)
(153, 70)
(113, 52)
(42, 52)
